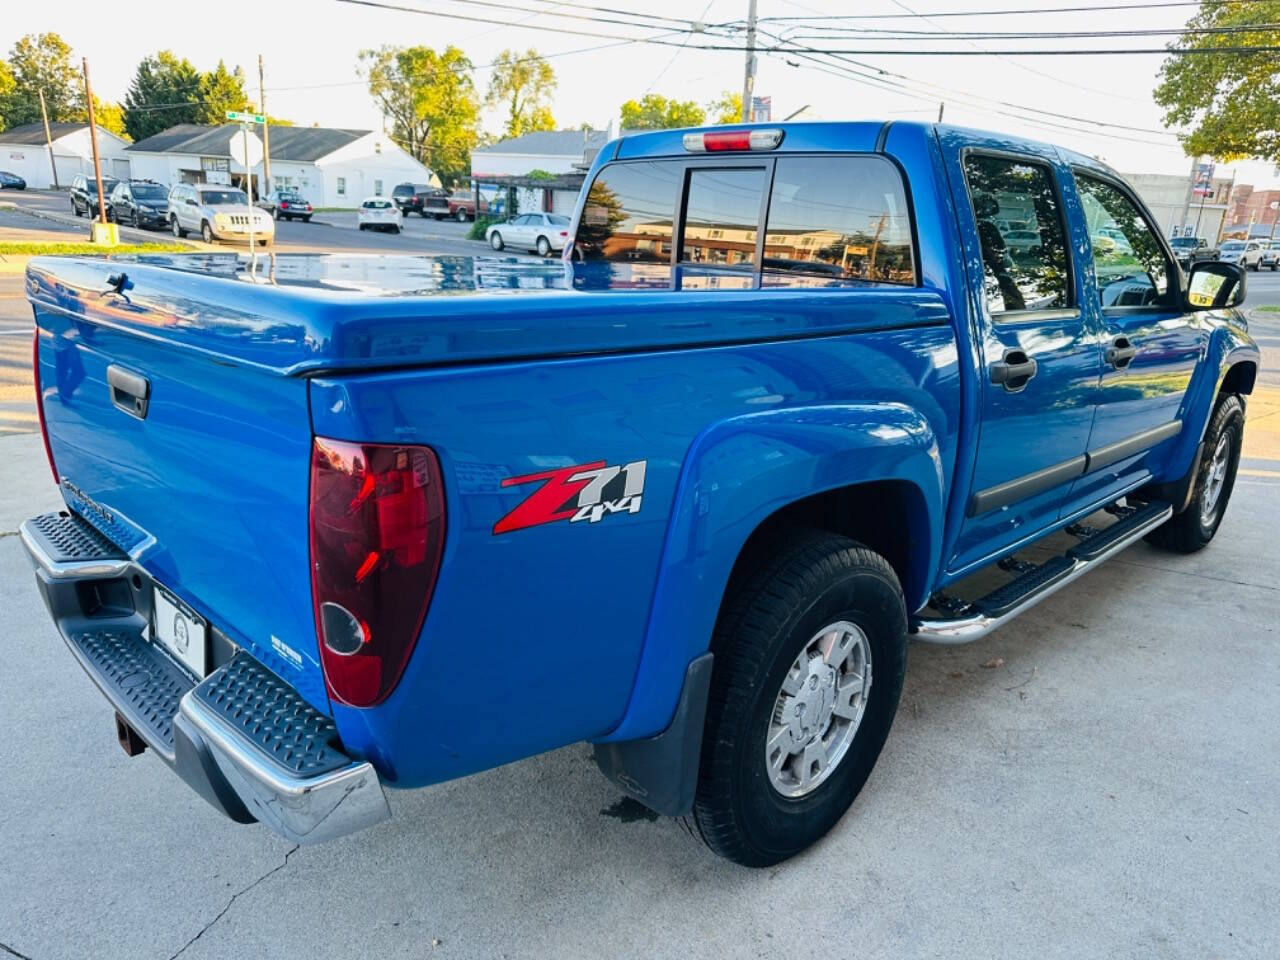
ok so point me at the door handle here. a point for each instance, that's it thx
(1121, 352)
(130, 392)
(1014, 371)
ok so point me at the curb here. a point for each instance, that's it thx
(141, 236)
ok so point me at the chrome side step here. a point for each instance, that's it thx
(967, 622)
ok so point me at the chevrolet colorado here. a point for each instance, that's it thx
(334, 524)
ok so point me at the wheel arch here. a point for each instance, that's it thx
(869, 471)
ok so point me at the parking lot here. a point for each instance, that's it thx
(1099, 779)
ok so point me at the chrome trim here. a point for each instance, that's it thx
(65, 570)
(968, 629)
(303, 809)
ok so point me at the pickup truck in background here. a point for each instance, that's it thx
(1192, 250)
(351, 523)
(460, 206)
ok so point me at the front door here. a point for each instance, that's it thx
(1150, 346)
(1039, 359)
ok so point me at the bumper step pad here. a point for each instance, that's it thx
(66, 538)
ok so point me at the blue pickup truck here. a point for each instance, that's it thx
(335, 524)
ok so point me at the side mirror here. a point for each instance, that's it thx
(1215, 285)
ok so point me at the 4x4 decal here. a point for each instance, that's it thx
(587, 491)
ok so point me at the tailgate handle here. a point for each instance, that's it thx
(131, 392)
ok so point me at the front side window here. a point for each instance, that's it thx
(835, 220)
(1019, 221)
(1128, 262)
(627, 214)
(722, 215)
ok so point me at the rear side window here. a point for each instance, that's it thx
(1019, 220)
(837, 219)
(627, 214)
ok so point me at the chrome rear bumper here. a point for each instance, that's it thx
(242, 738)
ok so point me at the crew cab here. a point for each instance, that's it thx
(337, 524)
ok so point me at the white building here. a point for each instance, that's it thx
(567, 153)
(24, 151)
(1170, 199)
(330, 168)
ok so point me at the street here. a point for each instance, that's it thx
(1098, 779)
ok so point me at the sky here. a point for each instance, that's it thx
(311, 49)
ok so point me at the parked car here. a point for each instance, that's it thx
(286, 205)
(1247, 253)
(463, 207)
(545, 232)
(1270, 254)
(139, 203)
(1020, 242)
(409, 197)
(1191, 250)
(11, 181)
(380, 529)
(84, 195)
(379, 213)
(217, 213)
(433, 202)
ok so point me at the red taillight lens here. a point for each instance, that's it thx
(284, 204)
(377, 534)
(44, 430)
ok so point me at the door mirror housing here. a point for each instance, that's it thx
(1215, 285)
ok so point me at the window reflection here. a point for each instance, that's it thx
(1024, 253)
(627, 214)
(722, 216)
(1128, 262)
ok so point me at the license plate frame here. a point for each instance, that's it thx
(181, 632)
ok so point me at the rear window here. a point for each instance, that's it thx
(376, 204)
(627, 214)
(837, 219)
(721, 216)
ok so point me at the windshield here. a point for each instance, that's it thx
(1233, 246)
(215, 198)
(1184, 241)
(149, 191)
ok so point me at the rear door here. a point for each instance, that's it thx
(1038, 356)
(1150, 346)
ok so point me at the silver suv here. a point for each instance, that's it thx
(216, 213)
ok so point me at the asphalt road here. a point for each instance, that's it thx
(1098, 779)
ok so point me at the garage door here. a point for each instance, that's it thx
(564, 201)
(68, 169)
(120, 168)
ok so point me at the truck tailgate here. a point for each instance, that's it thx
(206, 485)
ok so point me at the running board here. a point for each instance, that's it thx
(967, 622)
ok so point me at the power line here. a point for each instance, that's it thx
(1021, 12)
(629, 13)
(872, 33)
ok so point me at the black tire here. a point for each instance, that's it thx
(176, 230)
(807, 581)
(206, 232)
(306, 219)
(395, 229)
(460, 215)
(364, 226)
(1191, 530)
(495, 240)
(544, 247)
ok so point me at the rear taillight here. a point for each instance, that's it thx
(35, 377)
(284, 204)
(564, 233)
(377, 534)
(767, 139)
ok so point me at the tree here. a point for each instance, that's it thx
(165, 91)
(655, 112)
(727, 108)
(221, 90)
(432, 102)
(1230, 102)
(108, 116)
(42, 62)
(7, 85)
(523, 84)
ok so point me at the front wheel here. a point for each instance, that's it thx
(1192, 529)
(495, 240)
(810, 651)
(206, 232)
(175, 229)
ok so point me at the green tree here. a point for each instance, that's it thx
(165, 91)
(432, 102)
(1229, 103)
(108, 116)
(221, 90)
(7, 85)
(523, 84)
(727, 108)
(655, 112)
(42, 62)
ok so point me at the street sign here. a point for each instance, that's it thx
(246, 149)
(245, 117)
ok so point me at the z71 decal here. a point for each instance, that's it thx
(588, 491)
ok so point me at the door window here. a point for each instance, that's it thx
(837, 221)
(1128, 260)
(1019, 220)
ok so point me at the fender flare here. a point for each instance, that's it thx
(737, 474)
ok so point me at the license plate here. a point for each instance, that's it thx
(181, 631)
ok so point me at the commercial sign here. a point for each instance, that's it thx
(1204, 180)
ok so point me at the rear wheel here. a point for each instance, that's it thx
(460, 215)
(1192, 529)
(544, 247)
(175, 229)
(307, 218)
(275, 213)
(206, 232)
(810, 651)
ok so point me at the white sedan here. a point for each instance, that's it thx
(545, 232)
(379, 213)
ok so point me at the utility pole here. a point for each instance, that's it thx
(93, 139)
(941, 107)
(1186, 201)
(48, 139)
(749, 80)
(266, 140)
